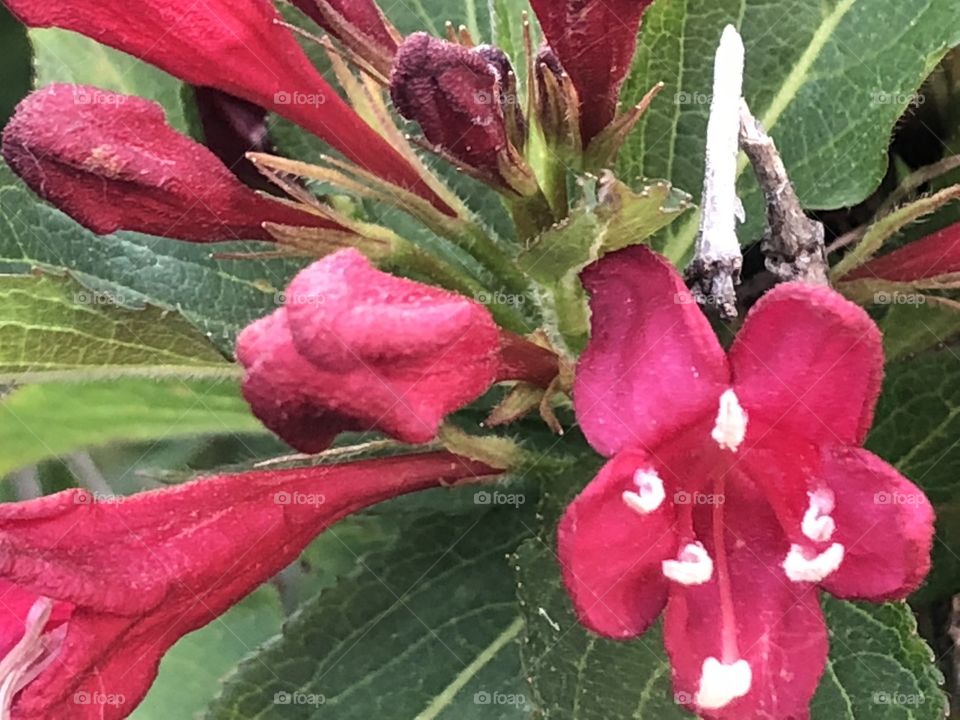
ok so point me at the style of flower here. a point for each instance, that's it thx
(94, 591)
(736, 486)
(354, 348)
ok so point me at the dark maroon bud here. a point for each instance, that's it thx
(455, 94)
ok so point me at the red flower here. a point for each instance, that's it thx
(736, 485)
(458, 96)
(359, 24)
(237, 46)
(595, 41)
(932, 257)
(93, 593)
(111, 162)
(354, 348)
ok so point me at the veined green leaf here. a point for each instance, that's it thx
(425, 629)
(54, 419)
(828, 80)
(55, 329)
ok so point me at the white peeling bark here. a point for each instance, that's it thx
(715, 270)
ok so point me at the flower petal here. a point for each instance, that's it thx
(141, 572)
(884, 521)
(611, 554)
(237, 46)
(356, 348)
(111, 162)
(653, 364)
(286, 392)
(362, 16)
(595, 42)
(809, 362)
(730, 660)
(933, 256)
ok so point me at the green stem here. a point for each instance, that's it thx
(531, 215)
(571, 314)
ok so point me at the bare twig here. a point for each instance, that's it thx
(794, 243)
(715, 270)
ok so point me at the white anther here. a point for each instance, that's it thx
(817, 523)
(801, 565)
(649, 495)
(693, 566)
(731, 425)
(722, 684)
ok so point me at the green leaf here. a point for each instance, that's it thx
(918, 421)
(54, 329)
(64, 56)
(506, 23)
(54, 419)
(828, 79)
(610, 217)
(878, 668)
(912, 328)
(220, 297)
(424, 629)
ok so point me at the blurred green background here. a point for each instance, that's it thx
(14, 63)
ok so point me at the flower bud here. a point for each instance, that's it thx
(557, 104)
(456, 95)
(111, 162)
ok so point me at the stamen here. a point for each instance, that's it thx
(722, 684)
(694, 566)
(31, 655)
(801, 565)
(731, 425)
(817, 523)
(650, 493)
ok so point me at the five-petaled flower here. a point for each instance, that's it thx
(770, 434)
(93, 592)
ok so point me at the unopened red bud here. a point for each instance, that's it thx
(456, 96)
(111, 162)
(556, 102)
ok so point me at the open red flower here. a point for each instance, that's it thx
(239, 47)
(111, 162)
(354, 348)
(736, 487)
(94, 592)
(594, 41)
